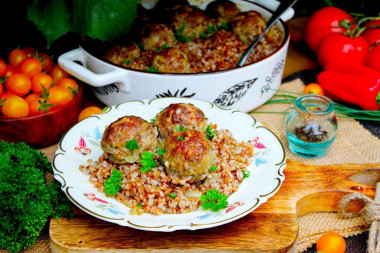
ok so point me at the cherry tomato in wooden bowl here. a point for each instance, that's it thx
(331, 242)
(45, 129)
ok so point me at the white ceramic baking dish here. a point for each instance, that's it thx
(244, 88)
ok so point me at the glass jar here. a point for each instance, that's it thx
(312, 126)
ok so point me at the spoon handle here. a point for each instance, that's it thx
(284, 5)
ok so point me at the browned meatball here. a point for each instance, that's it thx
(122, 54)
(156, 35)
(126, 130)
(188, 154)
(167, 7)
(178, 117)
(222, 10)
(171, 60)
(248, 25)
(190, 23)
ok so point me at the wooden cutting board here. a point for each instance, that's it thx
(270, 228)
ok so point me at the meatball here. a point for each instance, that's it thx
(123, 54)
(118, 138)
(168, 7)
(190, 23)
(248, 26)
(181, 116)
(188, 154)
(171, 60)
(222, 10)
(156, 35)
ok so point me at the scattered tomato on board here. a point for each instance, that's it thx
(29, 84)
(88, 111)
(331, 242)
(313, 88)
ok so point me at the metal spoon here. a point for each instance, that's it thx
(284, 5)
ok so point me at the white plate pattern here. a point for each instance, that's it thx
(82, 142)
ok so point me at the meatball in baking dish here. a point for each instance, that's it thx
(125, 139)
(188, 154)
(248, 25)
(156, 35)
(223, 11)
(178, 117)
(171, 60)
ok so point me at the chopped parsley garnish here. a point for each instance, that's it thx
(180, 138)
(153, 120)
(179, 35)
(172, 195)
(152, 69)
(165, 46)
(157, 50)
(245, 174)
(181, 129)
(224, 26)
(113, 184)
(210, 133)
(147, 161)
(214, 200)
(140, 205)
(132, 145)
(161, 151)
(213, 168)
(126, 62)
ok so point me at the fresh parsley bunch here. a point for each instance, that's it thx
(26, 201)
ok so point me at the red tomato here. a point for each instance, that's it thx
(39, 106)
(30, 66)
(47, 62)
(336, 47)
(331, 242)
(3, 67)
(30, 51)
(16, 56)
(323, 22)
(57, 73)
(10, 70)
(372, 35)
(1, 89)
(19, 84)
(372, 58)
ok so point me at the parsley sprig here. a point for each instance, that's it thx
(147, 161)
(132, 145)
(113, 184)
(214, 200)
(210, 132)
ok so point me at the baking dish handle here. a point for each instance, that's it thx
(70, 63)
(272, 5)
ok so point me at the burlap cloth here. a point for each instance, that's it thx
(353, 144)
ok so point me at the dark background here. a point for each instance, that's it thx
(17, 31)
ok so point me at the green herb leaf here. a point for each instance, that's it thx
(112, 185)
(98, 18)
(140, 205)
(126, 62)
(245, 173)
(213, 168)
(180, 138)
(157, 50)
(161, 151)
(147, 161)
(165, 46)
(172, 195)
(214, 200)
(132, 145)
(181, 129)
(153, 120)
(52, 18)
(210, 133)
(152, 69)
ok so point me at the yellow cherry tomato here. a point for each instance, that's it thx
(331, 242)
(313, 88)
(88, 111)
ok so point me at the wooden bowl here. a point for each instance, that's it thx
(42, 130)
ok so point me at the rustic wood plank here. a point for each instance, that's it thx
(270, 228)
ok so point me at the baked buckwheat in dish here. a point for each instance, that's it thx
(176, 37)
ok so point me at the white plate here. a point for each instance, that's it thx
(82, 142)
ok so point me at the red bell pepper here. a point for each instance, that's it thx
(352, 83)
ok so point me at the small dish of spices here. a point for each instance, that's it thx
(312, 126)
